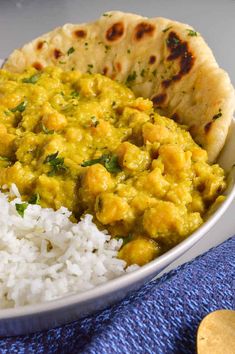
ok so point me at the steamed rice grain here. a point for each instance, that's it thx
(44, 256)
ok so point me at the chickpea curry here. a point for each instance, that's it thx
(85, 142)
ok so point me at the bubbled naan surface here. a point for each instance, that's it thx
(161, 59)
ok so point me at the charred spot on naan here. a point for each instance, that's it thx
(178, 51)
(159, 99)
(207, 127)
(118, 66)
(105, 70)
(175, 117)
(80, 33)
(193, 129)
(57, 53)
(40, 45)
(142, 30)
(37, 65)
(115, 32)
(152, 59)
(216, 116)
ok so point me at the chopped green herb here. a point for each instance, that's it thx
(70, 50)
(56, 163)
(74, 94)
(143, 72)
(7, 113)
(20, 208)
(128, 51)
(94, 121)
(110, 162)
(154, 72)
(107, 15)
(35, 199)
(107, 47)
(47, 131)
(218, 115)
(32, 79)
(86, 45)
(192, 33)
(4, 158)
(90, 66)
(113, 103)
(51, 157)
(92, 162)
(131, 77)
(166, 29)
(20, 108)
(62, 62)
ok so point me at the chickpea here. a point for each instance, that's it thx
(3, 130)
(111, 208)
(102, 129)
(154, 132)
(140, 251)
(163, 219)
(156, 184)
(54, 121)
(131, 157)
(142, 104)
(6, 142)
(199, 154)
(74, 135)
(174, 158)
(97, 179)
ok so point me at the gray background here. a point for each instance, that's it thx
(22, 20)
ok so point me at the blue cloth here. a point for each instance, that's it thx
(161, 318)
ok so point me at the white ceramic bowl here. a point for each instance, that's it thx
(33, 318)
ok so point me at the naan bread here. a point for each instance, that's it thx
(164, 60)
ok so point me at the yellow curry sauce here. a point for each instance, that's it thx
(85, 142)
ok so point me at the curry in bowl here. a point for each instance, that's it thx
(85, 142)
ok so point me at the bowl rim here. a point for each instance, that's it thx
(127, 279)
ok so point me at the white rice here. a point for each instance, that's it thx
(44, 256)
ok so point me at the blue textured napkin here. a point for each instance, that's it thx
(161, 318)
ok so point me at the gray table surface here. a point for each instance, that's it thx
(22, 20)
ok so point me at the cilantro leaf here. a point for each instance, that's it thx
(56, 163)
(70, 50)
(166, 29)
(32, 79)
(20, 208)
(35, 199)
(110, 162)
(20, 108)
(4, 158)
(47, 131)
(131, 77)
(192, 33)
(74, 94)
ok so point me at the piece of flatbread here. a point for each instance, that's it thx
(157, 58)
